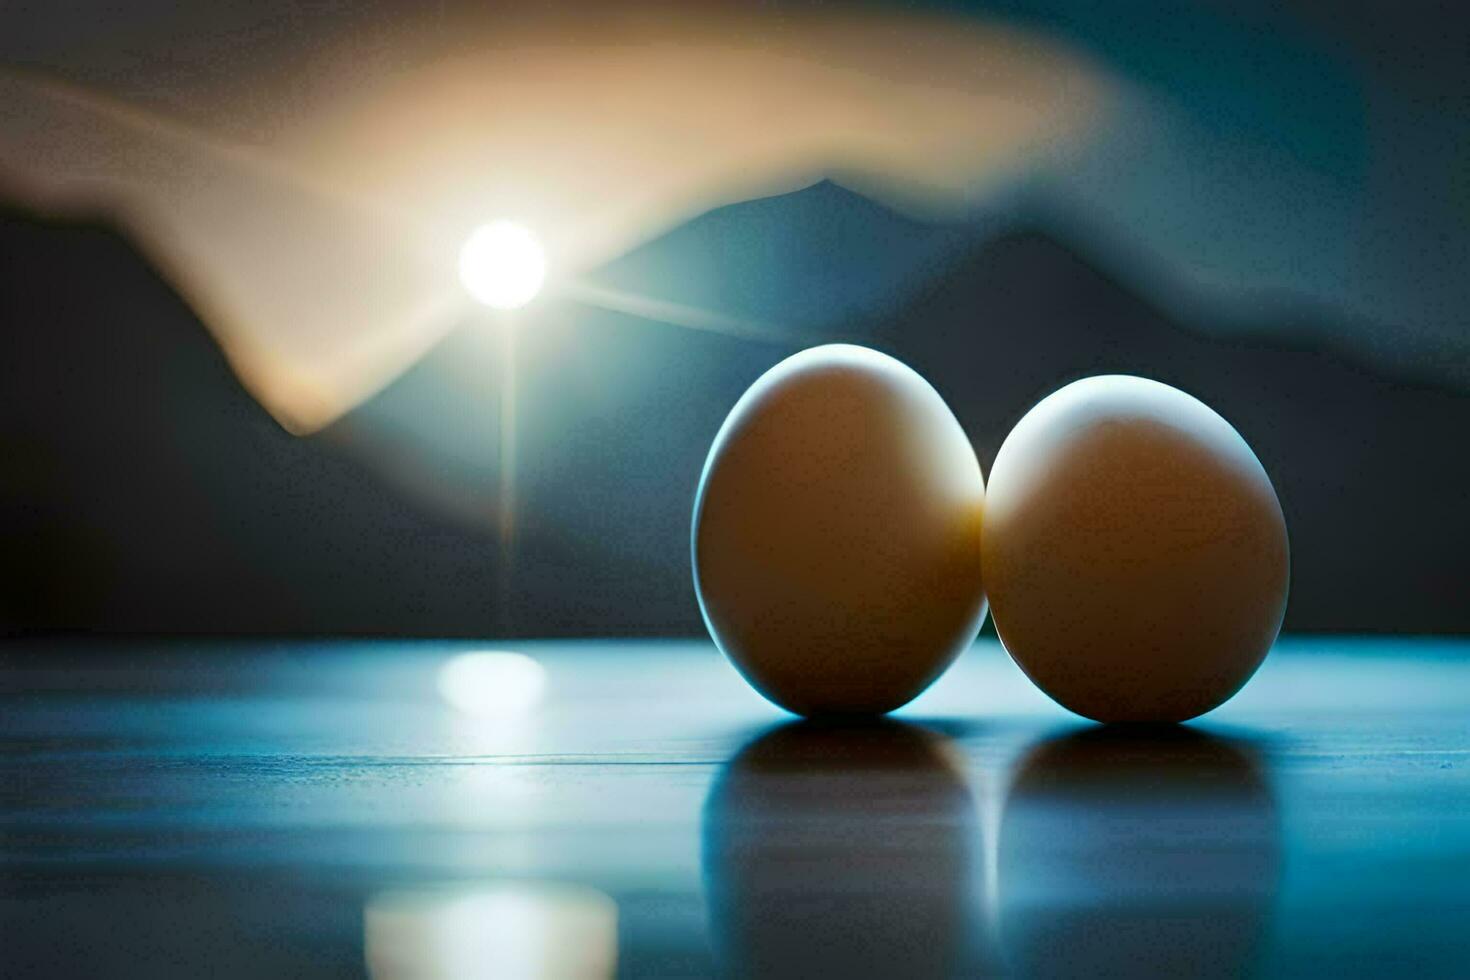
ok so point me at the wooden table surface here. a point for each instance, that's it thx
(316, 808)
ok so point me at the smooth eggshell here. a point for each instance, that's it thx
(1135, 551)
(836, 534)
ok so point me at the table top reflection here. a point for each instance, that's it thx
(424, 809)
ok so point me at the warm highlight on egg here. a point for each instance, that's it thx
(1135, 551)
(836, 537)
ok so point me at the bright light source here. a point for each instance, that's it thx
(494, 685)
(502, 265)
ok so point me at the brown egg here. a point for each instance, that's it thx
(836, 534)
(1135, 552)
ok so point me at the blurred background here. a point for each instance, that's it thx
(242, 389)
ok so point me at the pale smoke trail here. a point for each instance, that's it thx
(312, 217)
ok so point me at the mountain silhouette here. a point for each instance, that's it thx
(805, 263)
(143, 489)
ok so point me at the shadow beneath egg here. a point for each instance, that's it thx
(1131, 851)
(841, 849)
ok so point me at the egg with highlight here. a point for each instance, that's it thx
(836, 534)
(1135, 551)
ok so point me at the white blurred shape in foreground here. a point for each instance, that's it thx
(506, 931)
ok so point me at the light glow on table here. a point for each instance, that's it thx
(492, 684)
(530, 931)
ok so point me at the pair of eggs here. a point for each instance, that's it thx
(1130, 546)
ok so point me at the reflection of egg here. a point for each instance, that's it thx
(1135, 551)
(837, 533)
(800, 883)
(1127, 852)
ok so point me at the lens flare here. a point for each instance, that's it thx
(502, 265)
